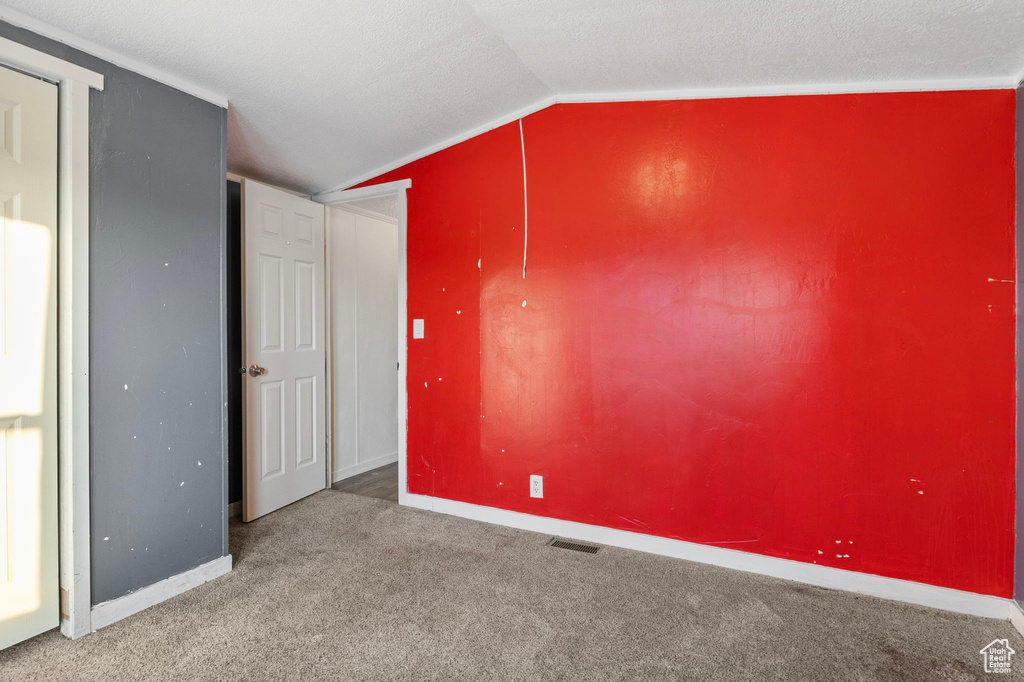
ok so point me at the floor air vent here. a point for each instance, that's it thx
(574, 546)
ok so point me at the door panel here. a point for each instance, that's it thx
(270, 310)
(284, 323)
(28, 357)
(305, 306)
(305, 421)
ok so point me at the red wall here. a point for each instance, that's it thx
(765, 324)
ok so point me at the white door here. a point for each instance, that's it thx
(28, 357)
(363, 253)
(284, 349)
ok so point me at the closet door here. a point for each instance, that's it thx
(29, 591)
(377, 342)
(364, 293)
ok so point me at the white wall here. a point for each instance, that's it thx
(364, 326)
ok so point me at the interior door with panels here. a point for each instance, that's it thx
(284, 349)
(29, 591)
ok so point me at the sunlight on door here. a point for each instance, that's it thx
(29, 596)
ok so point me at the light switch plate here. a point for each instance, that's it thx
(417, 329)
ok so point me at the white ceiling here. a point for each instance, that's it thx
(324, 92)
(386, 205)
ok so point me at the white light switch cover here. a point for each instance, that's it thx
(417, 329)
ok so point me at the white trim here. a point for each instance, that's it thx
(363, 467)
(359, 210)
(41, 64)
(329, 345)
(1017, 616)
(337, 196)
(403, 342)
(990, 83)
(116, 609)
(73, 83)
(400, 188)
(73, 357)
(823, 576)
(17, 18)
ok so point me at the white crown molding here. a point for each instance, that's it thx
(993, 83)
(24, 21)
(894, 589)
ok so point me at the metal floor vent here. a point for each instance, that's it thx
(574, 546)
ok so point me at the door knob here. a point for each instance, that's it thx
(256, 370)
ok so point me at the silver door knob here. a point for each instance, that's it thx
(256, 370)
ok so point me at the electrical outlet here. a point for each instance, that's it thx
(536, 486)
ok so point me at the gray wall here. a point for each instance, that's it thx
(1018, 563)
(156, 277)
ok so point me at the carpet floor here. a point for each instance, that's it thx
(342, 587)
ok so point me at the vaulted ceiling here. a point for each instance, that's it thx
(325, 92)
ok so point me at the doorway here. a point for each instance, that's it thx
(362, 290)
(284, 314)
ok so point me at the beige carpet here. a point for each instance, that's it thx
(341, 587)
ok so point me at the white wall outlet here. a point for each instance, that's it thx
(536, 486)
(417, 329)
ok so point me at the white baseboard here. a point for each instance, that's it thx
(235, 510)
(1017, 616)
(823, 576)
(114, 610)
(363, 467)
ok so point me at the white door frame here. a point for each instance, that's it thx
(334, 198)
(73, 84)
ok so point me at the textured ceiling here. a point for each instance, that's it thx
(386, 205)
(608, 46)
(326, 91)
